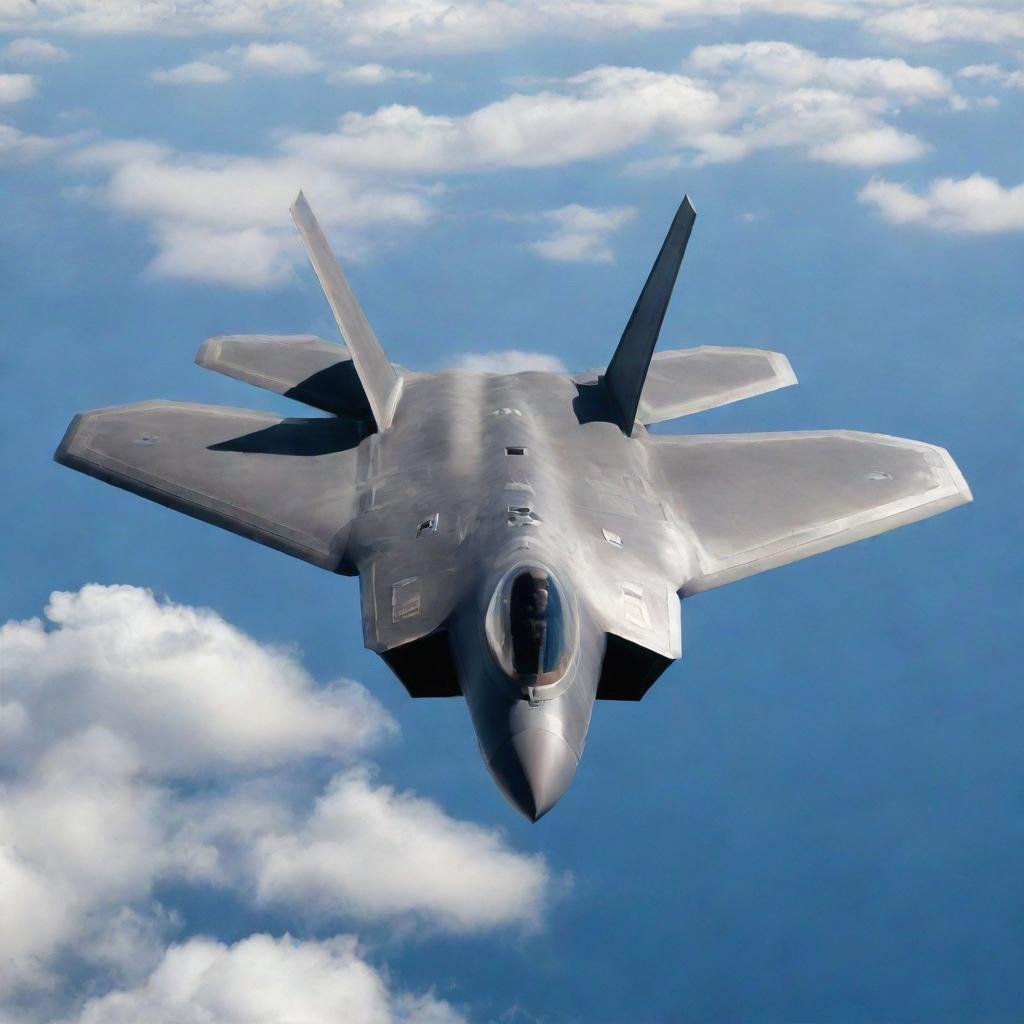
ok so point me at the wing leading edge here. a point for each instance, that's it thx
(287, 483)
(756, 501)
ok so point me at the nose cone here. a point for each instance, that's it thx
(533, 769)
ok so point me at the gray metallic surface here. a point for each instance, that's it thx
(380, 381)
(627, 371)
(482, 477)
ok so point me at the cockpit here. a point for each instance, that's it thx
(529, 626)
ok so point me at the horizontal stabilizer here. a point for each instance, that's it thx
(315, 372)
(626, 373)
(380, 381)
(689, 380)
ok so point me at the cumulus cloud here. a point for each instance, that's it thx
(188, 689)
(580, 234)
(196, 72)
(276, 58)
(730, 101)
(936, 22)
(994, 73)
(219, 218)
(15, 88)
(146, 742)
(16, 145)
(870, 148)
(509, 361)
(411, 25)
(224, 219)
(376, 74)
(974, 205)
(352, 857)
(265, 980)
(34, 51)
(254, 59)
(474, 25)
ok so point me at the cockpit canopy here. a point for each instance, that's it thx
(530, 627)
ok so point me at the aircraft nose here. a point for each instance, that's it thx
(533, 769)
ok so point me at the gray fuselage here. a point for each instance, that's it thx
(481, 475)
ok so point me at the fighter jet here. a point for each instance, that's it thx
(520, 539)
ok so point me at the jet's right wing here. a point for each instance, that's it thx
(286, 483)
(755, 501)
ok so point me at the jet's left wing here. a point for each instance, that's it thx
(755, 501)
(286, 483)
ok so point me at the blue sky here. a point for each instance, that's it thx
(816, 815)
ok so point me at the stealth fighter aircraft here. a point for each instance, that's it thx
(520, 539)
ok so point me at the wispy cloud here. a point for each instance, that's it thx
(197, 72)
(937, 22)
(15, 88)
(994, 73)
(281, 59)
(973, 205)
(34, 51)
(377, 74)
(581, 234)
(417, 26)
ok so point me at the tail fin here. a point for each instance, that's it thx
(626, 373)
(378, 377)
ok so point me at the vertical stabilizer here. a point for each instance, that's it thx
(626, 373)
(378, 377)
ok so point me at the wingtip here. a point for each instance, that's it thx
(687, 203)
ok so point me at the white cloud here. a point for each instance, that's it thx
(197, 72)
(34, 51)
(352, 857)
(191, 691)
(994, 73)
(398, 25)
(437, 26)
(870, 148)
(931, 23)
(376, 74)
(16, 145)
(15, 88)
(254, 59)
(793, 66)
(509, 361)
(146, 742)
(733, 101)
(218, 218)
(974, 205)
(265, 980)
(224, 219)
(276, 58)
(580, 234)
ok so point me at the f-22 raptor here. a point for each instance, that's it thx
(520, 539)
